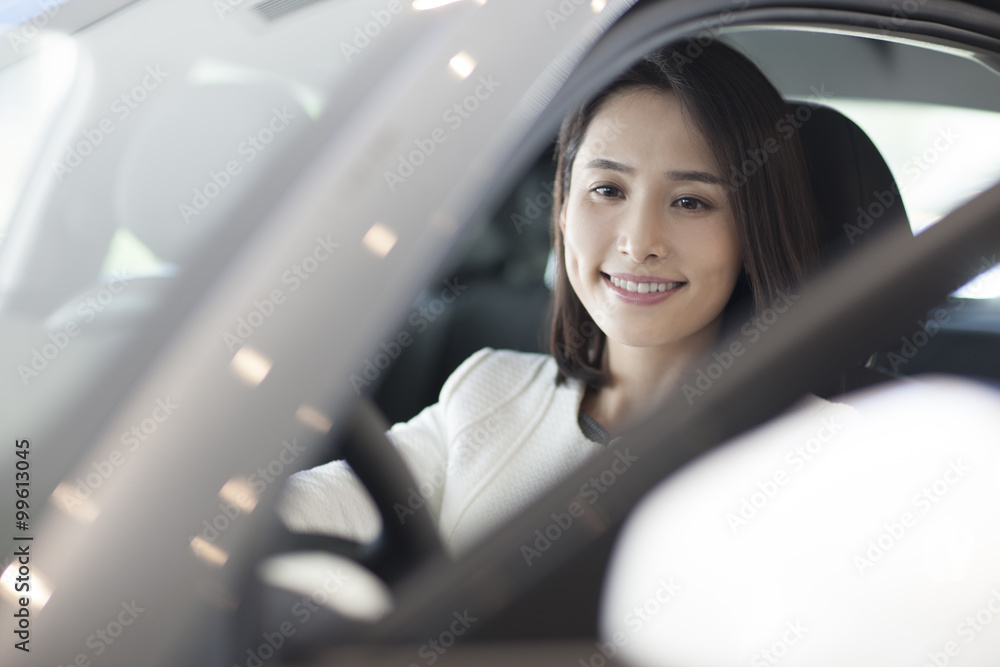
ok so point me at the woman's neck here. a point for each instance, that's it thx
(639, 378)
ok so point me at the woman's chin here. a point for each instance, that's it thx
(653, 340)
(638, 340)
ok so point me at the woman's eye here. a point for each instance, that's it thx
(608, 191)
(691, 204)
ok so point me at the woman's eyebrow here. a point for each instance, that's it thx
(675, 175)
(611, 165)
(700, 176)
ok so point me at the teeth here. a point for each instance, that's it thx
(643, 288)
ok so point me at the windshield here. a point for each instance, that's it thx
(118, 170)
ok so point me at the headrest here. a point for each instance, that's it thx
(857, 196)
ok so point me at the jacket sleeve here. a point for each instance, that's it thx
(330, 499)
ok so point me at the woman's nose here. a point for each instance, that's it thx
(643, 231)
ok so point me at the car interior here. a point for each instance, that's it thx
(506, 306)
(854, 87)
(503, 264)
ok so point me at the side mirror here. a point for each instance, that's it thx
(834, 535)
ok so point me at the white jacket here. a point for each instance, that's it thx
(500, 436)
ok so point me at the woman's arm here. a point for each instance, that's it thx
(329, 499)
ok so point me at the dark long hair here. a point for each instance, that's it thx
(757, 151)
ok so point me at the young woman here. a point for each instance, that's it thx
(679, 196)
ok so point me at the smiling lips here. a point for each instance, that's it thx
(641, 289)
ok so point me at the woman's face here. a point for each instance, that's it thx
(650, 241)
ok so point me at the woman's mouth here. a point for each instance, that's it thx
(639, 291)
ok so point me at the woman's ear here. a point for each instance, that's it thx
(562, 217)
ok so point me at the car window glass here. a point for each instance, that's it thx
(117, 172)
(941, 157)
(42, 84)
(933, 115)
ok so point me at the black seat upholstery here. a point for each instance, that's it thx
(857, 195)
(504, 301)
(858, 201)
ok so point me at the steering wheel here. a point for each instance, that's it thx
(403, 544)
(400, 548)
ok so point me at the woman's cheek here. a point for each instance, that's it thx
(571, 256)
(571, 261)
(722, 246)
(590, 233)
(577, 238)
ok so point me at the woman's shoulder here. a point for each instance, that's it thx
(497, 374)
